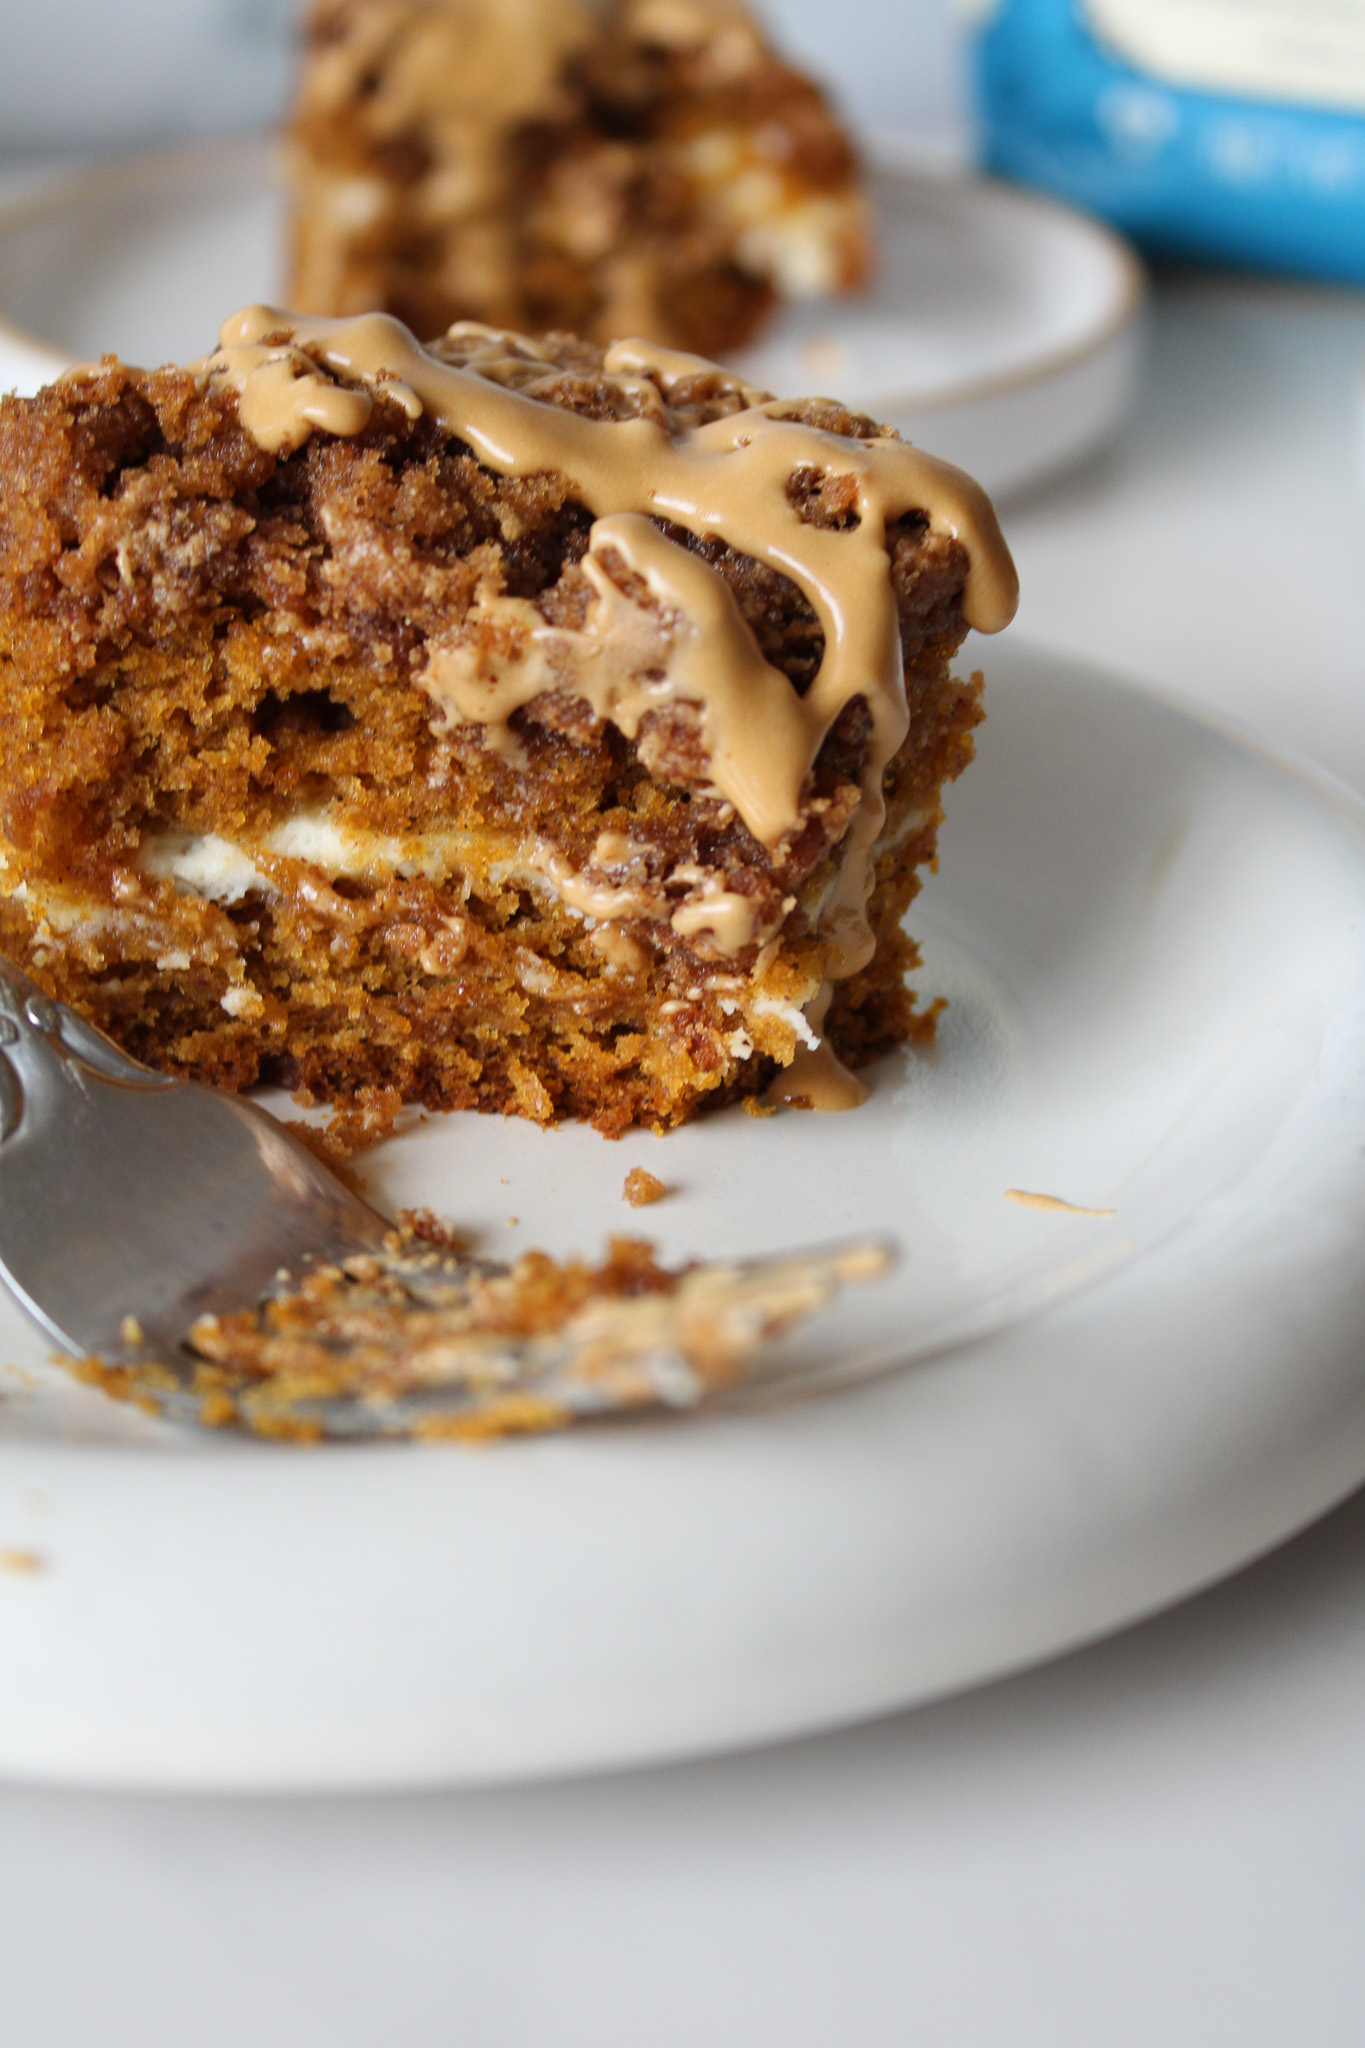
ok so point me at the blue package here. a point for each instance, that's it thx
(1225, 128)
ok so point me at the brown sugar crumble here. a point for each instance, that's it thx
(642, 1188)
(369, 735)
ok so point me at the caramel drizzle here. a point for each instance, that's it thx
(690, 644)
(728, 478)
(815, 1077)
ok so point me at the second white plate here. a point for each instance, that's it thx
(1004, 330)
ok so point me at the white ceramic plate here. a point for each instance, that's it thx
(1153, 936)
(1004, 331)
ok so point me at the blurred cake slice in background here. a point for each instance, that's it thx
(645, 167)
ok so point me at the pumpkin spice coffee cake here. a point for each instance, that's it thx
(507, 725)
(611, 166)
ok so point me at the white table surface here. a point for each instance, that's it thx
(1160, 1840)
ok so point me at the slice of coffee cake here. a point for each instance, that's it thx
(509, 725)
(613, 166)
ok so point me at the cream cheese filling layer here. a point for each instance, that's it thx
(223, 871)
(211, 869)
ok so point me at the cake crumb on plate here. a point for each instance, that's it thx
(24, 1562)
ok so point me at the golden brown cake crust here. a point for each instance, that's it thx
(202, 643)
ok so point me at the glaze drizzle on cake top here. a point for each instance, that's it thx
(730, 476)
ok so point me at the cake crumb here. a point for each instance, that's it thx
(363, 1119)
(24, 1562)
(642, 1188)
(1027, 1199)
(427, 1228)
(418, 1341)
(335, 1151)
(753, 1105)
